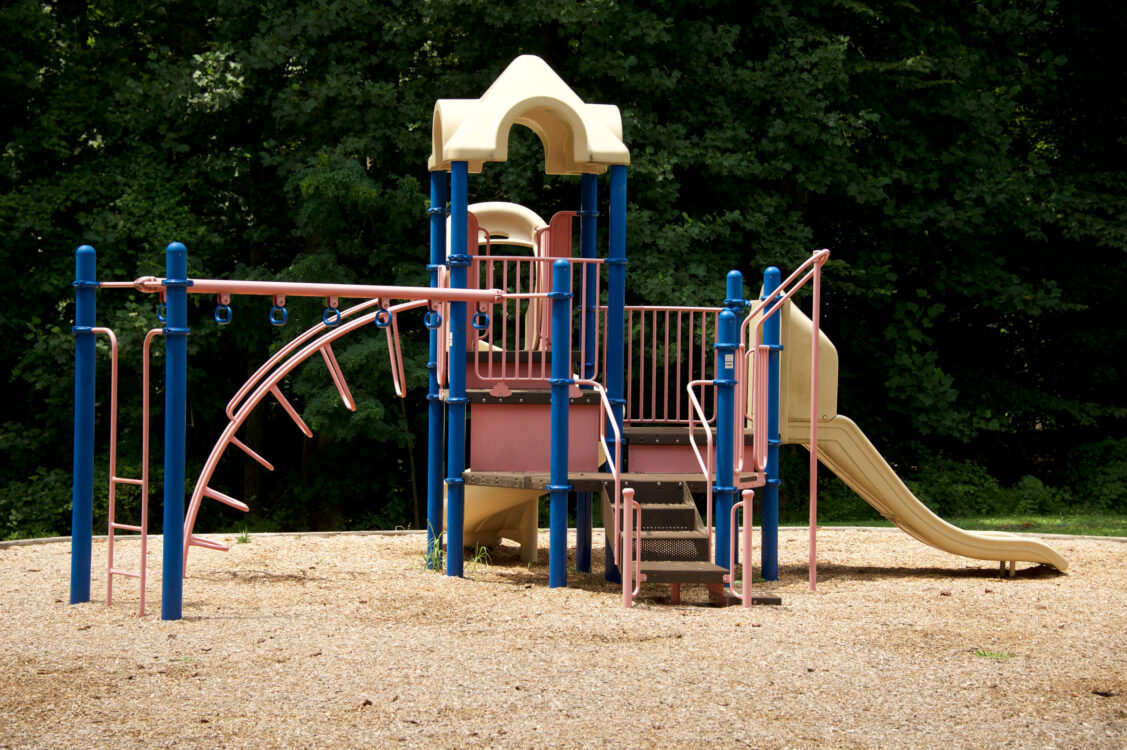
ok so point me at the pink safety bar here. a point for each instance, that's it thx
(112, 524)
(757, 359)
(265, 382)
(660, 369)
(744, 595)
(632, 575)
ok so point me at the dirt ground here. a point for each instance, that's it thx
(345, 641)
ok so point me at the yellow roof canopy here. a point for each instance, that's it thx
(578, 137)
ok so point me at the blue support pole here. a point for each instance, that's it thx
(772, 330)
(175, 427)
(82, 498)
(738, 305)
(435, 443)
(723, 491)
(616, 314)
(588, 223)
(456, 401)
(561, 381)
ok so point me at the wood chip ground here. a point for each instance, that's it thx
(345, 641)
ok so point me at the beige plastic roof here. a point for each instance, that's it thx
(578, 137)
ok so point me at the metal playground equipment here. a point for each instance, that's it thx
(672, 416)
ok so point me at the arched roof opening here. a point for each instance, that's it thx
(577, 137)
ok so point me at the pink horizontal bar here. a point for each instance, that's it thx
(126, 573)
(296, 289)
(125, 527)
(124, 480)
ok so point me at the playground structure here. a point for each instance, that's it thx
(560, 387)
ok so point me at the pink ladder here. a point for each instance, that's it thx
(115, 480)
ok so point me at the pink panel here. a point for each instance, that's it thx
(672, 459)
(516, 437)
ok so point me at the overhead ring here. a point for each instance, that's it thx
(222, 314)
(382, 318)
(480, 321)
(278, 316)
(331, 316)
(432, 319)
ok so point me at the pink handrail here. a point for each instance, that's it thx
(708, 467)
(757, 357)
(745, 589)
(632, 555)
(757, 353)
(605, 417)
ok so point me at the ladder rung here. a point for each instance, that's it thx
(288, 407)
(250, 452)
(125, 480)
(199, 541)
(338, 377)
(126, 573)
(225, 499)
(127, 527)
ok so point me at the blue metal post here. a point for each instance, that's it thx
(458, 262)
(82, 498)
(588, 216)
(561, 382)
(770, 504)
(175, 427)
(437, 212)
(616, 314)
(738, 305)
(723, 491)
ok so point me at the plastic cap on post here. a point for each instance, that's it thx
(85, 263)
(772, 277)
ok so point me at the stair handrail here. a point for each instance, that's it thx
(755, 355)
(606, 416)
(708, 467)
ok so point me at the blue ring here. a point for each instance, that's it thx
(432, 319)
(480, 321)
(331, 316)
(274, 319)
(383, 318)
(162, 312)
(222, 314)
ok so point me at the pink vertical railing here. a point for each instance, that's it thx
(667, 347)
(515, 327)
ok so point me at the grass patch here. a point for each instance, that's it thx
(995, 655)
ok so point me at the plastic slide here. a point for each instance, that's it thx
(845, 450)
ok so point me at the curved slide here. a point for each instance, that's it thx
(845, 450)
(493, 513)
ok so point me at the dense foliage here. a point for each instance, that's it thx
(966, 164)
